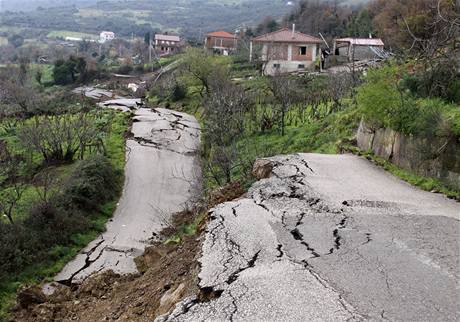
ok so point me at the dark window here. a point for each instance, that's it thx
(303, 50)
(301, 66)
(276, 65)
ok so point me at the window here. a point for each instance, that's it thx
(302, 50)
(276, 66)
(301, 66)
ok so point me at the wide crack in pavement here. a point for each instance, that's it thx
(328, 238)
(162, 175)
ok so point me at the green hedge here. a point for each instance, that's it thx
(386, 100)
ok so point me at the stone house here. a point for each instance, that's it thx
(167, 44)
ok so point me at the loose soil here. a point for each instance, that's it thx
(168, 274)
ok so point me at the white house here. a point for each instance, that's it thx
(106, 36)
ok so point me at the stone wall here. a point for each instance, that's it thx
(434, 157)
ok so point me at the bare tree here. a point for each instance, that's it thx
(11, 185)
(58, 138)
(338, 85)
(225, 109)
(435, 45)
(285, 90)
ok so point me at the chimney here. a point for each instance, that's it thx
(293, 30)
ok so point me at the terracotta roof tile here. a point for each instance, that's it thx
(286, 35)
(221, 34)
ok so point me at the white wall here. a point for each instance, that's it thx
(285, 66)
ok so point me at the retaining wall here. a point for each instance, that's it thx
(434, 157)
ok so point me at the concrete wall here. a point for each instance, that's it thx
(285, 66)
(434, 157)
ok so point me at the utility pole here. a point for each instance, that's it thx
(150, 50)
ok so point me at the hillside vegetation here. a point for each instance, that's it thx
(258, 116)
(61, 172)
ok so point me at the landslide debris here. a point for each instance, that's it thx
(168, 274)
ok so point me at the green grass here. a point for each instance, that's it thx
(65, 33)
(46, 70)
(187, 229)
(60, 255)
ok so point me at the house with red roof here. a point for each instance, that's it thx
(221, 42)
(286, 51)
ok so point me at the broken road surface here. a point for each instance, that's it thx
(162, 175)
(329, 238)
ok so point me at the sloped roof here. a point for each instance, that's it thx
(286, 35)
(221, 34)
(362, 41)
(167, 37)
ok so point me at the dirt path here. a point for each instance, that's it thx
(162, 175)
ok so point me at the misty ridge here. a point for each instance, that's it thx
(25, 5)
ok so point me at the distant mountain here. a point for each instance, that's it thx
(191, 18)
(126, 17)
(27, 5)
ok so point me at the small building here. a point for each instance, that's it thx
(221, 42)
(359, 48)
(106, 36)
(287, 51)
(76, 39)
(167, 44)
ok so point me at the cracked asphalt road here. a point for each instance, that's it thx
(329, 238)
(162, 175)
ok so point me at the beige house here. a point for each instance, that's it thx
(287, 51)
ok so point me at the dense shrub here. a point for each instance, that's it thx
(69, 71)
(125, 69)
(17, 248)
(168, 88)
(139, 69)
(385, 100)
(178, 93)
(453, 93)
(92, 183)
(54, 222)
